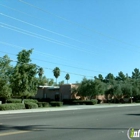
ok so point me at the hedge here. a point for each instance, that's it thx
(95, 101)
(69, 101)
(31, 100)
(54, 103)
(14, 101)
(30, 105)
(44, 100)
(12, 106)
(90, 102)
(19, 100)
(43, 104)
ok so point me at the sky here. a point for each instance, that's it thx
(82, 37)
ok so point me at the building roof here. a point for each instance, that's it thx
(50, 87)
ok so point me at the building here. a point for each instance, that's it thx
(57, 93)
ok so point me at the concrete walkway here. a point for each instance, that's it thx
(66, 108)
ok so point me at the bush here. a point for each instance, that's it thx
(31, 100)
(44, 100)
(78, 102)
(30, 105)
(56, 103)
(138, 101)
(69, 101)
(90, 102)
(12, 106)
(95, 101)
(14, 101)
(43, 104)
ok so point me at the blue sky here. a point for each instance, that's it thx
(81, 37)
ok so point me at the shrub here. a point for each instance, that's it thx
(31, 100)
(69, 101)
(14, 101)
(39, 104)
(95, 101)
(30, 105)
(43, 104)
(90, 102)
(138, 101)
(12, 106)
(54, 103)
(78, 102)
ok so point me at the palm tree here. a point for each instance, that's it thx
(67, 77)
(40, 72)
(56, 73)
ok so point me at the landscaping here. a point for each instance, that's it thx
(16, 104)
(19, 85)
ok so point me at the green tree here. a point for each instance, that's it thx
(43, 81)
(109, 78)
(67, 77)
(127, 89)
(121, 77)
(5, 73)
(136, 74)
(50, 82)
(61, 82)
(90, 88)
(23, 80)
(117, 91)
(56, 73)
(100, 77)
(40, 72)
(5, 67)
(5, 90)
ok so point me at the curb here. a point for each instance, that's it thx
(66, 108)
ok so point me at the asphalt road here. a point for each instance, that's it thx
(86, 124)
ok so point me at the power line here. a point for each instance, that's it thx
(48, 39)
(39, 52)
(42, 28)
(33, 25)
(44, 20)
(44, 38)
(19, 47)
(52, 69)
(59, 64)
(75, 23)
(47, 29)
(23, 13)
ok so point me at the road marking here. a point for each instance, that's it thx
(13, 133)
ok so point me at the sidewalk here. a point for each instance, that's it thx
(66, 108)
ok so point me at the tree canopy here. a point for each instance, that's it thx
(67, 77)
(23, 80)
(56, 73)
(24, 77)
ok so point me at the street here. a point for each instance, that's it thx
(87, 124)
